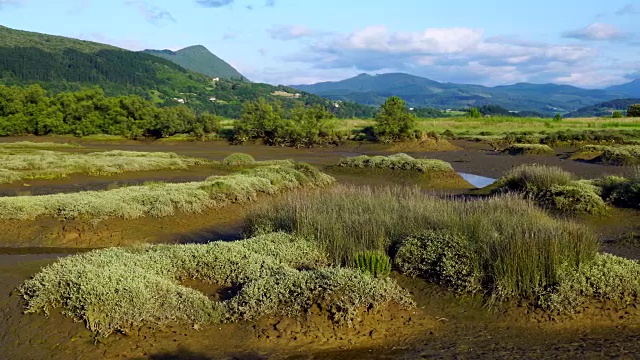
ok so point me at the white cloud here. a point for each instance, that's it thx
(151, 13)
(596, 31)
(289, 32)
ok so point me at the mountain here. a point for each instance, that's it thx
(59, 63)
(631, 89)
(603, 109)
(547, 99)
(63, 64)
(199, 59)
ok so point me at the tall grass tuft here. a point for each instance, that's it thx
(553, 188)
(398, 161)
(517, 247)
(375, 263)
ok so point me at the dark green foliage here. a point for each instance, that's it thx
(528, 149)
(617, 115)
(442, 258)
(29, 110)
(634, 110)
(620, 191)
(375, 263)
(557, 117)
(199, 59)
(300, 126)
(394, 121)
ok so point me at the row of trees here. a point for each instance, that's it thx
(29, 110)
(315, 125)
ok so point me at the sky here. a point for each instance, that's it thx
(585, 43)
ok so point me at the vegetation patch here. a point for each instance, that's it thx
(238, 159)
(38, 145)
(528, 149)
(29, 162)
(621, 191)
(119, 289)
(609, 155)
(399, 161)
(160, 199)
(470, 245)
(552, 188)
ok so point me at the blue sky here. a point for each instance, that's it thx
(587, 43)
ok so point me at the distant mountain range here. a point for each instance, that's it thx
(199, 59)
(547, 99)
(604, 109)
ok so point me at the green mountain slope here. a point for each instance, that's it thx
(199, 59)
(421, 92)
(603, 109)
(62, 64)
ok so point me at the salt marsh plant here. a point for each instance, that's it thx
(512, 258)
(162, 199)
(374, 263)
(553, 188)
(119, 289)
(238, 159)
(528, 149)
(397, 162)
(26, 163)
(609, 155)
(38, 145)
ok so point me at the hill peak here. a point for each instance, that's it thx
(198, 58)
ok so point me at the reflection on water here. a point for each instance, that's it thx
(477, 180)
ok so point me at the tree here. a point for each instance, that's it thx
(634, 110)
(474, 113)
(557, 117)
(616, 115)
(394, 121)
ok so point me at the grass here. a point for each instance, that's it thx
(38, 145)
(162, 199)
(28, 163)
(553, 188)
(238, 159)
(119, 289)
(513, 258)
(397, 162)
(528, 149)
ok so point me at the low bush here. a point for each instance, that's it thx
(119, 289)
(374, 263)
(607, 277)
(442, 258)
(397, 162)
(37, 145)
(621, 191)
(513, 257)
(238, 159)
(165, 199)
(552, 188)
(528, 149)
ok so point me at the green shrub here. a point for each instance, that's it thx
(620, 155)
(607, 277)
(621, 191)
(397, 162)
(528, 149)
(442, 258)
(577, 197)
(160, 200)
(518, 246)
(119, 289)
(633, 110)
(238, 159)
(533, 178)
(394, 121)
(374, 263)
(617, 115)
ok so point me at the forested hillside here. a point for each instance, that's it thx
(61, 64)
(199, 59)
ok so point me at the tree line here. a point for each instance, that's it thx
(30, 110)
